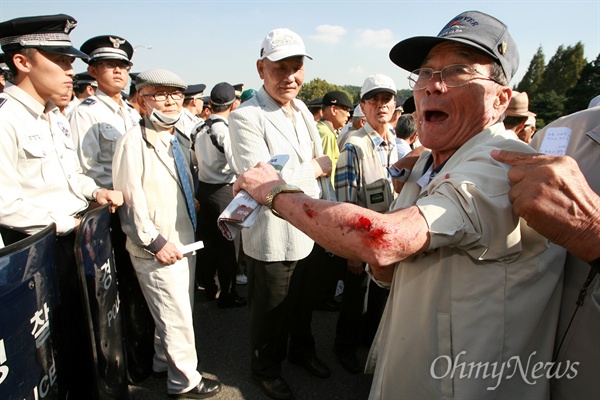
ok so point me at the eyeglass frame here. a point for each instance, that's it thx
(413, 82)
(178, 95)
(109, 64)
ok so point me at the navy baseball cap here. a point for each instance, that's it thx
(223, 94)
(46, 32)
(473, 28)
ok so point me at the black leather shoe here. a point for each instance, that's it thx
(205, 389)
(312, 364)
(275, 388)
(231, 301)
(349, 361)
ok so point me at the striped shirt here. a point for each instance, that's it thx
(347, 176)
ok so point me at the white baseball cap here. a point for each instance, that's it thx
(282, 43)
(358, 113)
(376, 84)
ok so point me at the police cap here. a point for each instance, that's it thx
(46, 32)
(194, 91)
(108, 47)
(83, 78)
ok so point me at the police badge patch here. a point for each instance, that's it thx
(65, 130)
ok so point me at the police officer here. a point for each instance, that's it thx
(192, 107)
(100, 120)
(97, 123)
(40, 177)
(215, 175)
(84, 86)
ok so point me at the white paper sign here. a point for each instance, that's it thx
(556, 141)
(191, 247)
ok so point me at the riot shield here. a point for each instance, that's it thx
(28, 303)
(96, 269)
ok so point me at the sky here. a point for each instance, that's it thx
(214, 41)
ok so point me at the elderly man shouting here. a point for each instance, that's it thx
(473, 290)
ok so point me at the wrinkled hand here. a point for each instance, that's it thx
(104, 196)
(322, 166)
(258, 181)
(553, 196)
(169, 254)
(355, 266)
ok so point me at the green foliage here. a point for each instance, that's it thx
(587, 87)
(533, 77)
(317, 88)
(548, 106)
(566, 84)
(563, 69)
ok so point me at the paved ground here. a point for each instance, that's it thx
(223, 348)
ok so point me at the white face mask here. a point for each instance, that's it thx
(160, 119)
(163, 120)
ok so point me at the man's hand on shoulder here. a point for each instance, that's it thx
(553, 196)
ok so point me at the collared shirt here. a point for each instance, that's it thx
(40, 178)
(329, 141)
(97, 123)
(187, 122)
(347, 177)
(214, 166)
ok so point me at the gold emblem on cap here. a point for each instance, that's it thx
(69, 25)
(116, 42)
(503, 48)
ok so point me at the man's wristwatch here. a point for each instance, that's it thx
(277, 190)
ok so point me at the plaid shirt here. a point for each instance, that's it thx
(347, 176)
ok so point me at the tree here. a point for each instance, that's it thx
(563, 70)
(317, 88)
(548, 106)
(587, 87)
(533, 77)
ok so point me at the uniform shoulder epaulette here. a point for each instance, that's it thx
(88, 102)
(2, 101)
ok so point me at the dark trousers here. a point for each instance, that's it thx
(355, 327)
(219, 254)
(138, 325)
(280, 308)
(74, 361)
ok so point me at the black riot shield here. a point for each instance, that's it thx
(96, 269)
(28, 303)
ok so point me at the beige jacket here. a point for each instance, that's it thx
(484, 295)
(582, 343)
(154, 209)
(259, 130)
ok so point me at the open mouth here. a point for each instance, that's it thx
(435, 116)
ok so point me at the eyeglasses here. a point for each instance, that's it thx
(113, 65)
(452, 75)
(162, 96)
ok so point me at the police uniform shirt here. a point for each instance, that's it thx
(97, 123)
(213, 165)
(187, 122)
(40, 178)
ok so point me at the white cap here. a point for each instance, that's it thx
(282, 43)
(530, 120)
(358, 113)
(376, 84)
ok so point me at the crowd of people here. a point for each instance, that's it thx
(466, 242)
